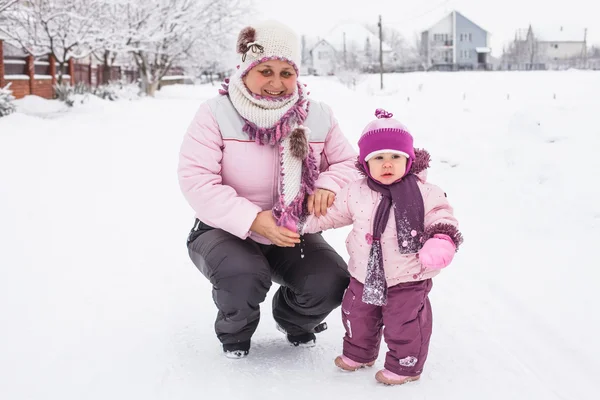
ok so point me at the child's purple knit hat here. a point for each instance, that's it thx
(385, 135)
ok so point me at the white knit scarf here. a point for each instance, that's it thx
(263, 112)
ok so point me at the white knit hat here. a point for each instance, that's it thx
(265, 41)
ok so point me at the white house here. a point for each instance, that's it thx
(553, 46)
(324, 58)
(455, 42)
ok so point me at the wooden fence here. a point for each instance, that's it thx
(27, 75)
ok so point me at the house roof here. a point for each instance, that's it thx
(425, 21)
(446, 15)
(558, 33)
(355, 33)
(319, 42)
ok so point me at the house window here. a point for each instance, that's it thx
(470, 38)
(323, 55)
(448, 56)
(556, 46)
(461, 37)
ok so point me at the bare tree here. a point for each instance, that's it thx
(116, 33)
(161, 33)
(420, 51)
(6, 4)
(64, 29)
(368, 51)
(404, 53)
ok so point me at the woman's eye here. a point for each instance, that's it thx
(286, 74)
(266, 72)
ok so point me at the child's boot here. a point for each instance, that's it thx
(390, 378)
(347, 364)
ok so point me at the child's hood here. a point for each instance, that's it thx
(418, 167)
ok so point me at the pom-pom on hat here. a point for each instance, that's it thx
(385, 135)
(268, 40)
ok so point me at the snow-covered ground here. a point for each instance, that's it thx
(98, 299)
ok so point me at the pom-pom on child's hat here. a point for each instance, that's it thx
(268, 40)
(385, 135)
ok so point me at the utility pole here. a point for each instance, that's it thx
(380, 53)
(585, 48)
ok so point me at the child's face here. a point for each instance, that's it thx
(387, 167)
(273, 78)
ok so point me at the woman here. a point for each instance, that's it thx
(254, 163)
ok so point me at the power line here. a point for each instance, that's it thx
(413, 18)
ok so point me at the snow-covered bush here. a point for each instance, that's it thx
(67, 93)
(349, 77)
(7, 105)
(118, 90)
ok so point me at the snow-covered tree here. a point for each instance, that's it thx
(405, 54)
(419, 52)
(6, 4)
(113, 44)
(368, 52)
(6, 101)
(215, 58)
(161, 33)
(62, 28)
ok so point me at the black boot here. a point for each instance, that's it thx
(236, 350)
(307, 339)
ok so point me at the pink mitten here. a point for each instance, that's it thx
(437, 252)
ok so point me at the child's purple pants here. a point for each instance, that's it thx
(407, 320)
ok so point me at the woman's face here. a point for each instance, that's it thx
(273, 78)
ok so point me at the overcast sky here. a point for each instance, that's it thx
(501, 17)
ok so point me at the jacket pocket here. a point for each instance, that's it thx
(198, 229)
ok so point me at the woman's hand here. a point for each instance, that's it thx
(319, 202)
(264, 224)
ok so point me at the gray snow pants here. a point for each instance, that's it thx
(241, 272)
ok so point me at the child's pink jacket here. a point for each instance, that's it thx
(356, 205)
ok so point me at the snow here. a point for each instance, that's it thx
(19, 62)
(21, 77)
(38, 106)
(174, 77)
(99, 300)
(17, 77)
